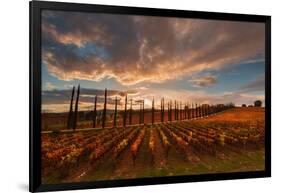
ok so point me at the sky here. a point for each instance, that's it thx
(188, 60)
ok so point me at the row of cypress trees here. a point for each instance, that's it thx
(176, 111)
(72, 116)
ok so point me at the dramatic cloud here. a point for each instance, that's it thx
(86, 95)
(204, 81)
(135, 49)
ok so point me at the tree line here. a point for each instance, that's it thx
(170, 110)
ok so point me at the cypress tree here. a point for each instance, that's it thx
(175, 111)
(196, 110)
(104, 109)
(95, 112)
(171, 110)
(143, 111)
(180, 111)
(162, 110)
(152, 112)
(192, 111)
(163, 106)
(168, 112)
(131, 112)
(125, 112)
(187, 109)
(69, 119)
(115, 113)
(140, 113)
(204, 110)
(76, 108)
(185, 112)
(178, 107)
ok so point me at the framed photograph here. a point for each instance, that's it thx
(125, 96)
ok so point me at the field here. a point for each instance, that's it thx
(229, 141)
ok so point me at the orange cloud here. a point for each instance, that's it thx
(143, 49)
(204, 81)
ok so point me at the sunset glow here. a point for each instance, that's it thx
(189, 60)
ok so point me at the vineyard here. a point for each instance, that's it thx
(230, 141)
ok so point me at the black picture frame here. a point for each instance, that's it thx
(35, 94)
